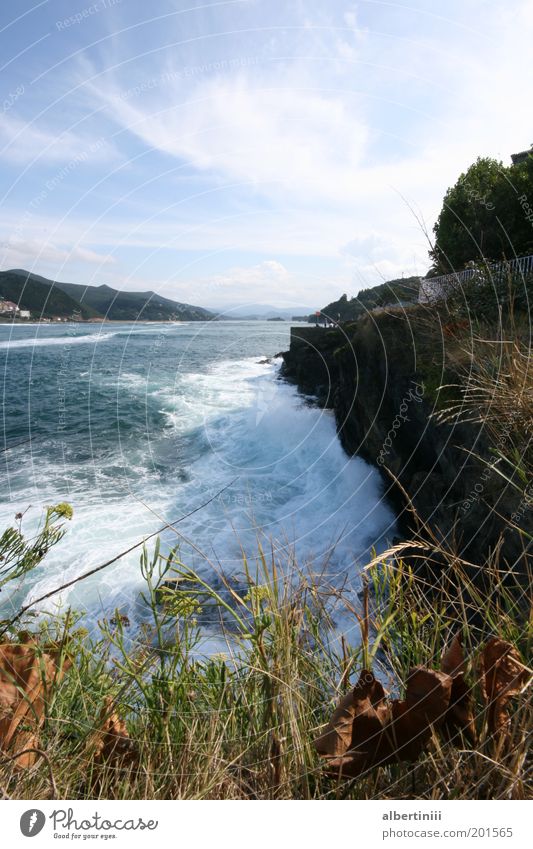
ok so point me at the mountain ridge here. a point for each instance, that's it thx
(41, 298)
(101, 301)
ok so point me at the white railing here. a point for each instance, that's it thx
(438, 288)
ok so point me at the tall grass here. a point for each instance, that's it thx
(240, 725)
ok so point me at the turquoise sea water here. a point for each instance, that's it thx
(136, 425)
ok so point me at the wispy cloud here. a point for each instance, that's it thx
(242, 144)
(280, 138)
(28, 253)
(26, 143)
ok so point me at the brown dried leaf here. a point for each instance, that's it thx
(381, 732)
(366, 731)
(26, 675)
(359, 715)
(459, 716)
(428, 693)
(111, 742)
(453, 660)
(502, 676)
(427, 699)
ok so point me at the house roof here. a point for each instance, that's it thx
(521, 156)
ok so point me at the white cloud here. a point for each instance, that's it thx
(303, 144)
(350, 19)
(30, 252)
(258, 283)
(267, 282)
(282, 138)
(269, 273)
(24, 143)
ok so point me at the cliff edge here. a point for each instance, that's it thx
(387, 376)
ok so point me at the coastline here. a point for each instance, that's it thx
(381, 376)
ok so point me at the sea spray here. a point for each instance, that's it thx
(153, 431)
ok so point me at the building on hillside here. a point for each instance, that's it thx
(517, 158)
(24, 314)
(430, 291)
(8, 308)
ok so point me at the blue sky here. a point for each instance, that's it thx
(248, 151)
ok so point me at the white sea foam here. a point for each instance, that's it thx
(43, 341)
(45, 333)
(289, 484)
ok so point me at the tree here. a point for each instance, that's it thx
(482, 216)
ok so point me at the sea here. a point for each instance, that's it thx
(140, 425)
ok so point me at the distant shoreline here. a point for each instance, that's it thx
(93, 322)
(55, 322)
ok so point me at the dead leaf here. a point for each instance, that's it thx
(453, 660)
(502, 676)
(111, 741)
(366, 730)
(459, 716)
(26, 676)
(427, 699)
(359, 715)
(428, 693)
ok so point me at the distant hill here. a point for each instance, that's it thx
(262, 312)
(403, 290)
(106, 302)
(40, 296)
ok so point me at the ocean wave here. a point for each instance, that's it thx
(145, 331)
(39, 342)
(234, 441)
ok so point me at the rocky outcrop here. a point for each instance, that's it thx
(381, 376)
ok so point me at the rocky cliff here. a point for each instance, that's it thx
(381, 375)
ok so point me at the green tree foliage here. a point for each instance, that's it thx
(485, 216)
(400, 291)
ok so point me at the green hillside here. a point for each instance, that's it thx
(400, 291)
(95, 301)
(42, 297)
(133, 306)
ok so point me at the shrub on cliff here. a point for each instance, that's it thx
(394, 292)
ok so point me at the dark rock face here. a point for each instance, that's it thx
(375, 375)
(311, 362)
